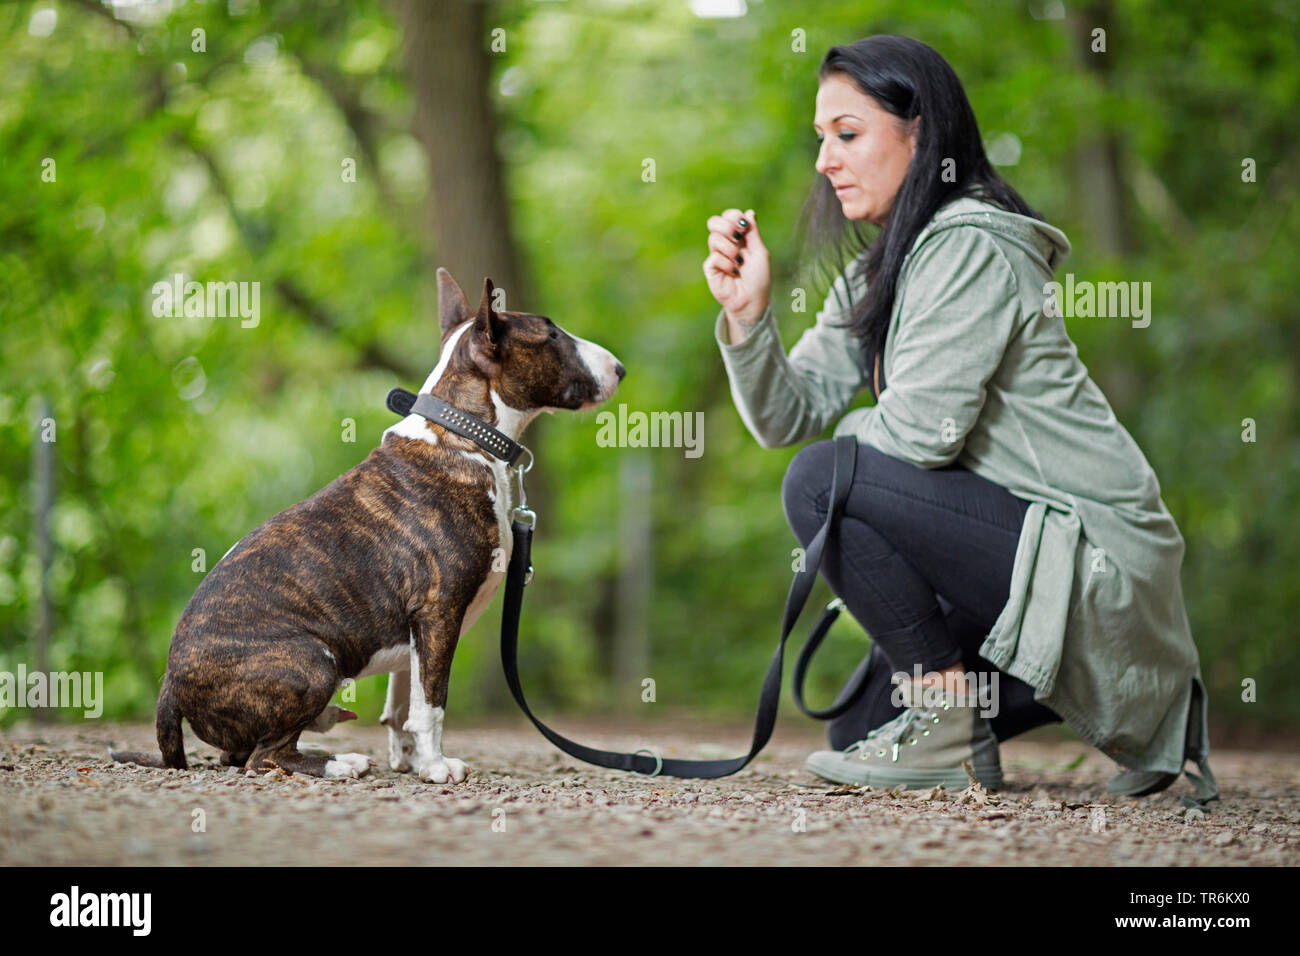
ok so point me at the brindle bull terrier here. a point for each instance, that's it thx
(382, 570)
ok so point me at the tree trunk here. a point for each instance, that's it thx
(449, 64)
(1098, 158)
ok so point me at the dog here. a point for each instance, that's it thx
(382, 570)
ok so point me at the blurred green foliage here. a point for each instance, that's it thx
(177, 434)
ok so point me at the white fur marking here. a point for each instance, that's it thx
(510, 420)
(416, 426)
(425, 723)
(397, 703)
(347, 766)
(600, 365)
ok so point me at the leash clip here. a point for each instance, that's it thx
(528, 517)
(521, 512)
(521, 499)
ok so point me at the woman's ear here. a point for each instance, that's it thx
(913, 130)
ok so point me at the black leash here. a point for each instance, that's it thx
(520, 572)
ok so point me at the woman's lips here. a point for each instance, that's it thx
(841, 190)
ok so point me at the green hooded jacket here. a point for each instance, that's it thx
(978, 370)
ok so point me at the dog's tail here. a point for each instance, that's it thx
(170, 740)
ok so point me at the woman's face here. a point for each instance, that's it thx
(865, 150)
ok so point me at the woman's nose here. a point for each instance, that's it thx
(823, 156)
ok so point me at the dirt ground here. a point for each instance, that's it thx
(63, 802)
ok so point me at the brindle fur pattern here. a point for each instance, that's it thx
(389, 553)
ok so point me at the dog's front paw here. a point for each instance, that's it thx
(443, 770)
(347, 766)
(401, 747)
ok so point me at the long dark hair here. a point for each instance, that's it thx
(908, 79)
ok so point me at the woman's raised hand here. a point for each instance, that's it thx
(738, 269)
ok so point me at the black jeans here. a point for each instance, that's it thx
(923, 560)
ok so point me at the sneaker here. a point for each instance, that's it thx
(924, 746)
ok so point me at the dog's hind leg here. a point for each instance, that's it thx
(285, 755)
(288, 684)
(401, 744)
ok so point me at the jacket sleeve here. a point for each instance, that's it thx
(959, 309)
(783, 400)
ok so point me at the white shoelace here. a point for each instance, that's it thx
(893, 731)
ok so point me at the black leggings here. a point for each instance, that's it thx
(923, 560)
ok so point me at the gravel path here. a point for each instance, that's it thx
(63, 802)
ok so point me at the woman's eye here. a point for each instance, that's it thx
(847, 136)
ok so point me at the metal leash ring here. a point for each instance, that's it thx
(659, 761)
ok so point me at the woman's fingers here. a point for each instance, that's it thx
(727, 239)
(721, 265)
(737, 268)
(726, 247)
(729, 225)
(752, 233)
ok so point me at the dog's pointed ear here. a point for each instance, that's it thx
(453, 307)
(485, 335)
(488, 320)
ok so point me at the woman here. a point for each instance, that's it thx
(1000, 517)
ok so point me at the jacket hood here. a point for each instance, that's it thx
(1039, 239)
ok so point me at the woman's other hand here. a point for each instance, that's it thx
(738, 270)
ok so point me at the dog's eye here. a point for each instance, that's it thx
(554, 333)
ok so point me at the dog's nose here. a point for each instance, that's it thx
(619, 370)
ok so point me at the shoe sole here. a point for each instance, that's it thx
(913, 779)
